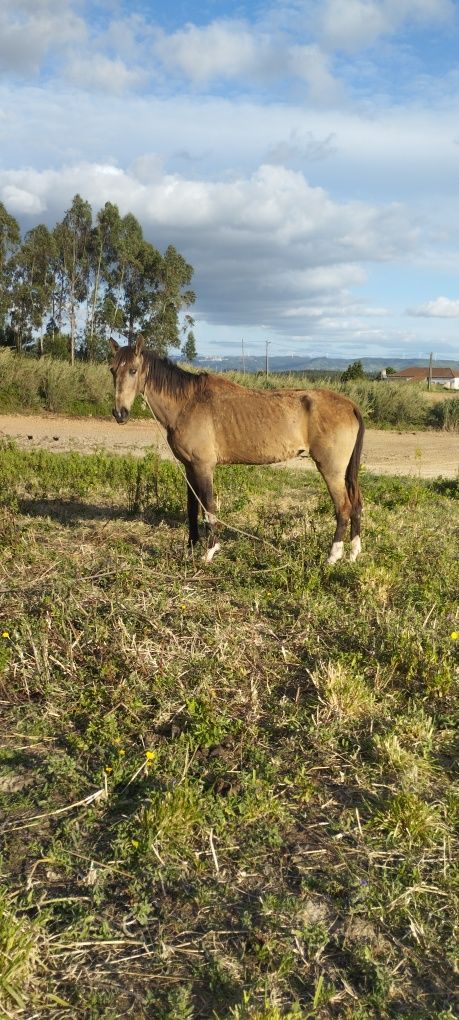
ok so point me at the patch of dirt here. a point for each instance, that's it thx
(420, 454)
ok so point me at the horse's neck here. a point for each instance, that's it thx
(164, 407)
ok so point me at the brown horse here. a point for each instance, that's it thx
(210, 420)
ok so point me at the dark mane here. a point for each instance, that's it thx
(164, 375)
(170, 378)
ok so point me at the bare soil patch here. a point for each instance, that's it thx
(421, 454)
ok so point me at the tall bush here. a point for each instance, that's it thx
(445, 415)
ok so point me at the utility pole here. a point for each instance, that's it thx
(429, 381)
(243, 357)
(267, 357)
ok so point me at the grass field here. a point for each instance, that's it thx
(228, 793)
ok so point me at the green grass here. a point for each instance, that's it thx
(228, 793)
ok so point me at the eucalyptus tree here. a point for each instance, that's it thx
(32, 282)
(94, 279)
(72, 237)
(133, 280)
(103, 268)
(172, 297)
(10, 238)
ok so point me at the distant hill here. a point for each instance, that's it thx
(309, 364)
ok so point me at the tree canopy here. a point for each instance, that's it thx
(68, 289)
(353, 371)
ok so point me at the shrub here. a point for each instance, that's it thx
(93, 390)
(445, 415)
(383, 404)
(30, 384)
(56, 384)
(397, 404)
(18, 382)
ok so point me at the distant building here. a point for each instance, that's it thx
(448, 377)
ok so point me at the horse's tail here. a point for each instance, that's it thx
(352, 470)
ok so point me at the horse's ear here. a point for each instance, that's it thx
(139, 345)
(114, 346)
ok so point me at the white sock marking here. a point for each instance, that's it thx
(336, 552)
(209, 555)
(356, 548)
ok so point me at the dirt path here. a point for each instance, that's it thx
(423, 454)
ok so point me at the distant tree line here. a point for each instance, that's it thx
(65, 291)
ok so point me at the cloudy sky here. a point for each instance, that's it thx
(303, 155)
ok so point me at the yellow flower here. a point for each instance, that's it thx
(150, 755)
(454, 635)
(135, 843)
(183, 606)
(5, 634)
(108, 769)
(121, 751)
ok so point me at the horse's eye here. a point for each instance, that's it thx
(132, 371)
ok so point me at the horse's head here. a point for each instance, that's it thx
(128, 373)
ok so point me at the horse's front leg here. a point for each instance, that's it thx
(192, 506)
(205, 492)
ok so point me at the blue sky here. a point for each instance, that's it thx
(304, 156)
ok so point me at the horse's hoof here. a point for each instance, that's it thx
(337, 550)
(209, 555)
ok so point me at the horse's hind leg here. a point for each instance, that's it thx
(336, 485)
(356, 514)
(342, 505)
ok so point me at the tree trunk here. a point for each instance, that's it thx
(94, 301)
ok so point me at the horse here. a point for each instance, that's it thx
(210, 420)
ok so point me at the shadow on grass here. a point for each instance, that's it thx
(71, 512)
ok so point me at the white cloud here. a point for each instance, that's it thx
(29, 30)
(265, 247)
(223, 49)
(311, 64)
(441, 308)
(232, 49)
(98, 72)
(21, 201)
(352, 25)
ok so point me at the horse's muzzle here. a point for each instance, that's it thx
(120, 416)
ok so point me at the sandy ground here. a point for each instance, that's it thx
(422, 454)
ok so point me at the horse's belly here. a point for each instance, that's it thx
(262, 450)
(257, 428)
